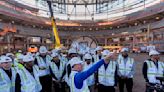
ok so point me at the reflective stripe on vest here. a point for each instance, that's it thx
(57, 71)
(36, 75)
(96, 58)
(7, 85)
(91, 79)
(153, 72)
(73, 88)
(28, 82)
(43, 65)
(106, 77)
(125, 69)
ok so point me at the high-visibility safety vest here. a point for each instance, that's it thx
(57, 71)
(125, 69)
(107, 77)
(91, 79)
(153, 71)
(72, 84)
(44, 65)
(63, 59)
(66, 78)
(7, 84)
(29, 82)
(96, 58)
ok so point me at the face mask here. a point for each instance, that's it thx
(125, 56)
(88, 62)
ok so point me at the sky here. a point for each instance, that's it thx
(79, 13)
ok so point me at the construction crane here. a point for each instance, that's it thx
(54, 27)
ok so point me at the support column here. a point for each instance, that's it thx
(8, 42)
(106, 41)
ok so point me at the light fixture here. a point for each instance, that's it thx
(157, 18)
(12, 22)
(136, 24)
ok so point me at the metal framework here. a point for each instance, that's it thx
(81, 2)
(90, 9)
(70, 7)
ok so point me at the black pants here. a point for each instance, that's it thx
(67, 88)
(59, 87)
(102, 88)
(46, 82)
(128, 82)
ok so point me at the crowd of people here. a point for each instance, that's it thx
(97, 70)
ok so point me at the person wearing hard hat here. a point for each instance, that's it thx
(98, 54)
(107, 75)
(152, 68)
(19, 59)
(28, 76)
(56, 70)
(72, 52)
(7, 75)
(18, 52)
(60, 52)
(11, 55)
(43, 60)
(126, 70)
(87, 64)
(78, 77)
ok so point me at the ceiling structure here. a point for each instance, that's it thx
(81, 2)
(88, 9)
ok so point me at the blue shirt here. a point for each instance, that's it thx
(81, 76)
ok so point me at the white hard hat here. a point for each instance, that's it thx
(54, 54)
(28, 58)
(5, 59)
(54, 50)
(87, 56)
(82, 52)
(72, 50)
(124, 49)
(20, 56)
(43, 49)
(20, 51)
(153, 52)
(29, 53)
(106, 52)
(74, 61)
(99, 48)
(9, 54)
(92, 51)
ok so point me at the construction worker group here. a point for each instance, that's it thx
(90, 70)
